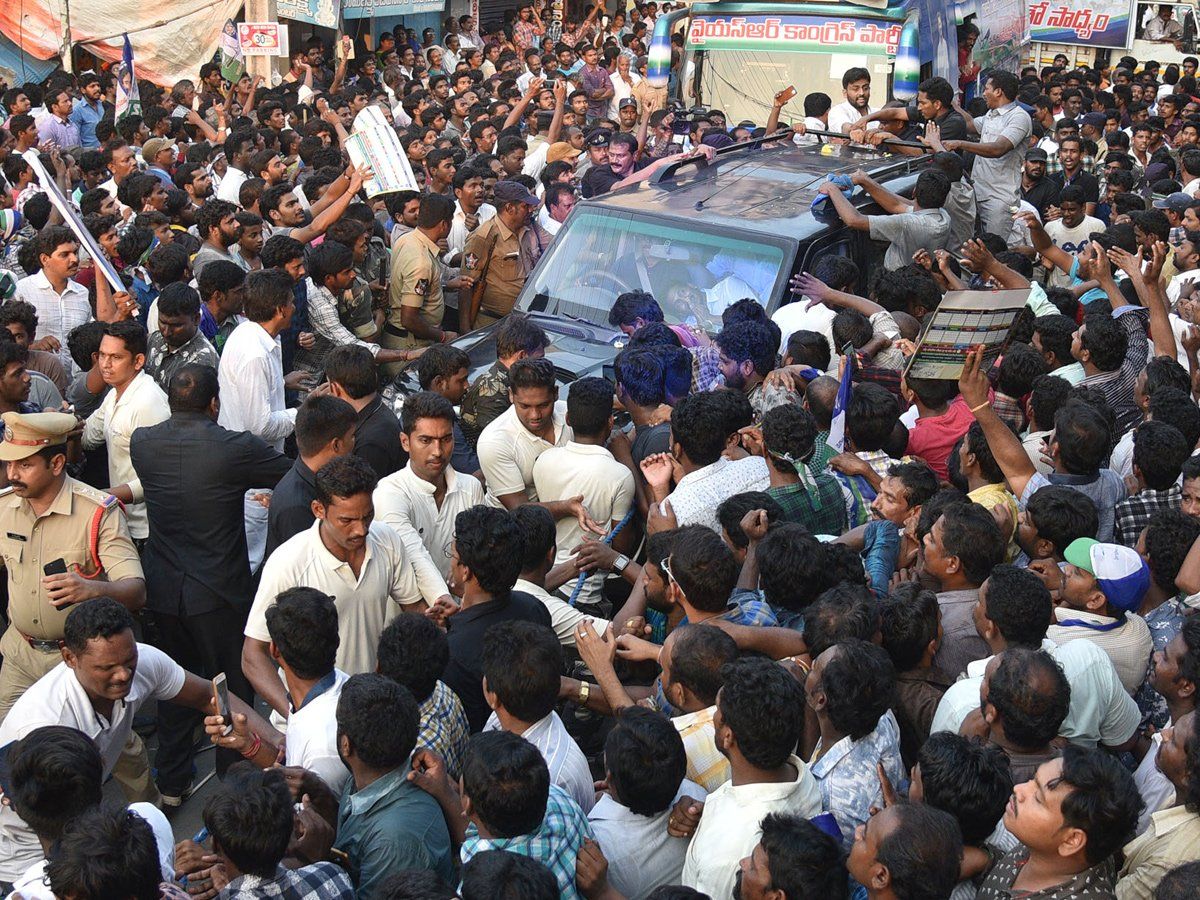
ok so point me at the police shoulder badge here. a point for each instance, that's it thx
(422, 287)
(471, 260)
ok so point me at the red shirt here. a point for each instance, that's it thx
(933, 437)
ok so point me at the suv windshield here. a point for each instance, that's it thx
(694, 273)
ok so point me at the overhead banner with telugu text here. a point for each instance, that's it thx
(828, 34)
(364, 9)
(1093, 23)
(314, 12)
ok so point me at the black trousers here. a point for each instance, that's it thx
(206, 645)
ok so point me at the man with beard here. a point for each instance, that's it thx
(195, 181)
(219, 231)
(622, 168)
(856, 86)
(1037, 190)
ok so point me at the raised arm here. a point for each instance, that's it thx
(845, 209)
(518, 110)
(1006, 447)
(811, 286)
(981, 259)
(891, 203)
(1043, 245)
(333, 212)
(1150, 292)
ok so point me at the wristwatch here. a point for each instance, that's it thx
(584, 690)
(620, 563)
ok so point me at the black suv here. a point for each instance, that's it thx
(698, 237)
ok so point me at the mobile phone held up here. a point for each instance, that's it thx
(221, 694)
(55, 567)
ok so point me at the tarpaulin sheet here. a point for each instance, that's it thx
(17, 67)
(170, 40)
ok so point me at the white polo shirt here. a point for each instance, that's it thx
(607, 488)
(1101, 711)
(58, 699)
(142, 404)
(731, 826)
(312, 733)
(563, 616)
(507, 452)
(404, 499)
(386, 583)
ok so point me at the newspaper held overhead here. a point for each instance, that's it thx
(374, 143)
(963, 320)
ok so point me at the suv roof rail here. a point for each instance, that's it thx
(786, 133)
(667, 172)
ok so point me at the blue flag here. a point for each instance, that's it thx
(837, 428)
(128, 101)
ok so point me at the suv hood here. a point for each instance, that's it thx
(577, 349)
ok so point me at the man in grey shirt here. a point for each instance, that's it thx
(1003, 138)
(921, 224)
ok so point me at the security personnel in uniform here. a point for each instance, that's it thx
(416, 305)
(45, 537)
(498, 256)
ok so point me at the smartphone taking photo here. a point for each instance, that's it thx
(221, 695)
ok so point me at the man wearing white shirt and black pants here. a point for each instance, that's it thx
(251, 381)
(101, 684)
(429, 492)
(135, 401)
(371, 570)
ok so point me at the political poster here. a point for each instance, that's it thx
(128, 101)
(1093, 23)
(233, 63)
(1003, 34)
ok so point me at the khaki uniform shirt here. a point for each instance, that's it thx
(416, 280)
(29, 542)
(502, 259)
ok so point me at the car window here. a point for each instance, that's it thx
(694, 273)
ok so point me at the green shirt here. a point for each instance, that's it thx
(390, 825)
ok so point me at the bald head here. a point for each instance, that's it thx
(821, 395)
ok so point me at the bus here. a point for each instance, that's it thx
(737, 55)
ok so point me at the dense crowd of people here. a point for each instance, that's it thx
(762, 617)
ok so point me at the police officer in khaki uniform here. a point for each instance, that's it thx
(45, 538)
(46, 526)
(499, 255)
(416, 304)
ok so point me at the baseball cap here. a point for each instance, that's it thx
(599, 138)
(1037, 153)
(628, 101)
(1176, 202)
(1120, 573)
(1094, 120)
(514, 192)
(153, 147)
(560, 150)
